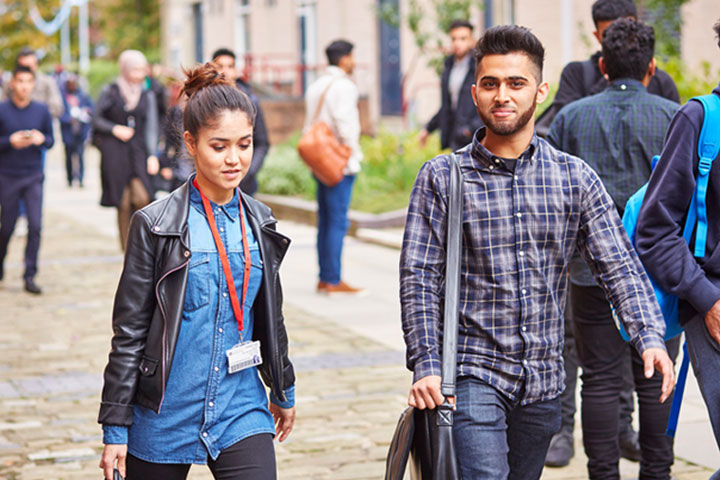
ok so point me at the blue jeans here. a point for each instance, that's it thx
(704, 354)
(497, 439)
(333, 205)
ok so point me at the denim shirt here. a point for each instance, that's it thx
(206, 409)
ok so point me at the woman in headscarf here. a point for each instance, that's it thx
(125, 130)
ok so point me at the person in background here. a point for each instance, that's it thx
(125, 130)
(666, 256)
(25, 131)
(617, 132)
(75, 127)
(194, 330)
(340, 112)
(46, 89)
(457, 118)
(224, 58)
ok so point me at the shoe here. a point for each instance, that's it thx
(32, 287)
(341, 287)
(629, 445)
(561, 450)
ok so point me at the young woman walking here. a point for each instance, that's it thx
(198, 314)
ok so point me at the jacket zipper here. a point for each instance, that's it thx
(162, 311)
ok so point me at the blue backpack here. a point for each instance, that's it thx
(708, 149)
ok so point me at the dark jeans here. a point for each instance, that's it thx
(704, 354)
(30, 189)
(496, 439)
(603, 353)
(252, 459)
(74, 152)
(333, 205)
(571, 372)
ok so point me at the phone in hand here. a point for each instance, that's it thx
(26, 134)
(116, 474)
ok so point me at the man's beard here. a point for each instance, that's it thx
(505, 129)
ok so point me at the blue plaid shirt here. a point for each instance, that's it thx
(520, 229)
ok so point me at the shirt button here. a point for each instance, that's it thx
(517, 178)
(204, 434)
(491, 167)
(224, 294)
(524, 291)
(211, 404)
(623, 87)
(525, 362)
(497, 161)
(216, 369)
(524, 328)
(187, 253)
(222, 229)
(156, 228)
(518, 215)
(220, 329)
(521, 253)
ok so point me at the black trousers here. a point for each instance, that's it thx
(30, 189)
(602, 353)
(250, 459)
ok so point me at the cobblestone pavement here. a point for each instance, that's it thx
(351, 389)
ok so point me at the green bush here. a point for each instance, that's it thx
(101, 72)
(390, 165)
(690, 84)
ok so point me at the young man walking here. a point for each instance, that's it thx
(528, 207)
(456, 118)
(616, 132)
(667, 257)
(339, 110)
(25, 130)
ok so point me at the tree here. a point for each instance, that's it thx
(129, 24)
(666, 18)
(19, 31)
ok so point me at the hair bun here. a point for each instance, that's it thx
(201, 77)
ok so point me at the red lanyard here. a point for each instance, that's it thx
(237, 308)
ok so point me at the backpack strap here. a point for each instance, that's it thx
(708, 148)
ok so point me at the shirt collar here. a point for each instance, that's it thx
(489, 161)
(230, 209)
(335, 71)
(626, 84)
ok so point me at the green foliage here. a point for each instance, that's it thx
(664, 16)
(129, 24)
(390, 165)
(690, 84)
(18, 31)
(101, 72)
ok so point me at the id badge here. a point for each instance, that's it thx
(244, 355)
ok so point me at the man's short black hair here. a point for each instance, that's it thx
(223, 52)
(338, 49)
(25, 52)
(505, 39)
(604, 10)
(628, 47)
(716, 27)
(22, 69)
(460, 24)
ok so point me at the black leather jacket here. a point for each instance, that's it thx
(149, 303)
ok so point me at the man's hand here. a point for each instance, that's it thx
(153, 165)
(422, 137)
(284, 420)
(425, 393)
(110, 454)
(166, 173)
(657, 358)
(123, 133)
(21, 139)
(37, 138)
(712, 321)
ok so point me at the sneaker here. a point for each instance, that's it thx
(32, 287)
(629, 445)
(561, 450)
(341, 287)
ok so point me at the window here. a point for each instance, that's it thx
(242, 32)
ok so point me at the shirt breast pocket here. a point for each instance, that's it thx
(197, 292)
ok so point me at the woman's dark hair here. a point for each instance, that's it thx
(209, 94)
(460, 24)
(716, 27)
(505, 39)
(628, 47)
(604, 10)
(338, 49)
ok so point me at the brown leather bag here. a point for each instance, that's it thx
(321, 151)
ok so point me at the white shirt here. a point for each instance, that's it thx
(339, 111)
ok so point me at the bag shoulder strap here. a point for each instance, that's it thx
(452, 277)
(322, 100)
(708, 148)
(588, 76)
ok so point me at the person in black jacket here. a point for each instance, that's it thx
(457, 118)
(224, 58)
(580, 79)
(198, 318)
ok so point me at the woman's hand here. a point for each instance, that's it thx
(284, 420)
(123, 132)
(153, 165)
(111, 454)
